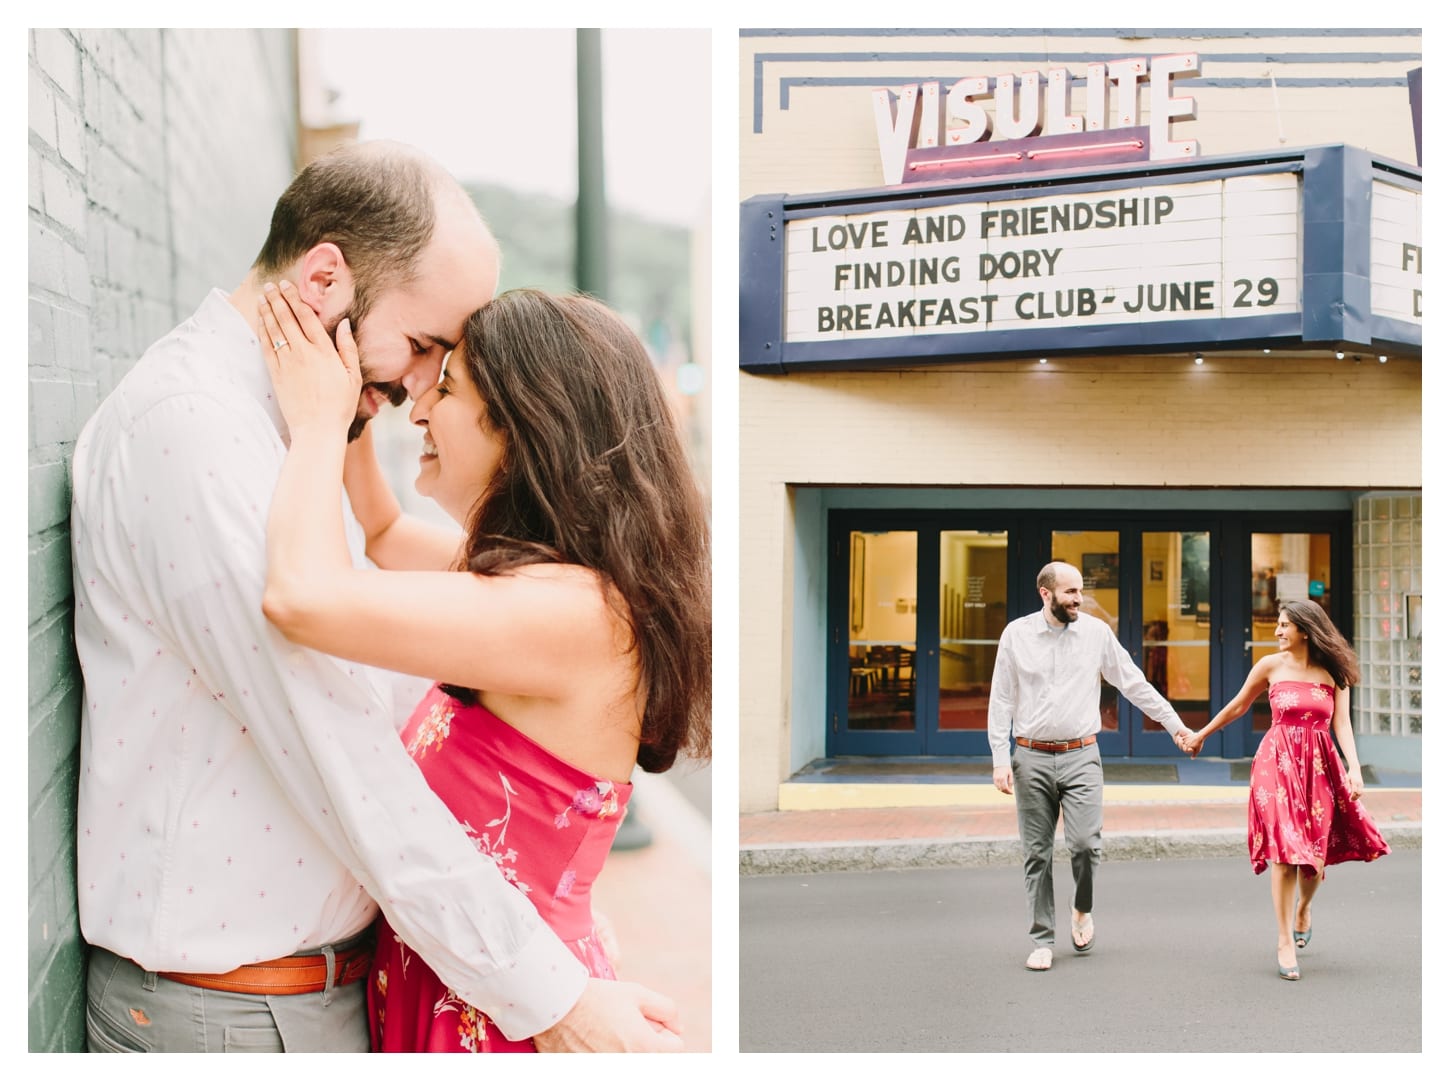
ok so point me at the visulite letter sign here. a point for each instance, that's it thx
(1027, 113)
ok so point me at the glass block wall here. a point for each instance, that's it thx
(1387, 577)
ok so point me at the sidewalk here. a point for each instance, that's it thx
(853, 816)
(658, 899)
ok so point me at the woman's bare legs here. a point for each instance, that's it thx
(1308, 886)
(1282, 878)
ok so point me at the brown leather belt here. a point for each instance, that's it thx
(1056, 746)
(295, 975)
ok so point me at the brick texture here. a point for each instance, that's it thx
(154, 157)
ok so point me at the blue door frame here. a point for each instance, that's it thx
(1029, 547)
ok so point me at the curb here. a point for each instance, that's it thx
(795, 859)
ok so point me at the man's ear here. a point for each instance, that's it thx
(325, 281)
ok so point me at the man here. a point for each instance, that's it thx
(245, 804)
(1045, 693)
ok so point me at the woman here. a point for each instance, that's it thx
(568, 629)
(1304, 809)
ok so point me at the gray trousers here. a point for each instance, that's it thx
(1046, 783)
(130, 1009)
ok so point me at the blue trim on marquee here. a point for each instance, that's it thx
(1105, 178)
(1181, 335)
(762, 251)
(1334, 268)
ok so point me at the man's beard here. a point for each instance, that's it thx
(394, 392)
(396, 395)
(1062, 613)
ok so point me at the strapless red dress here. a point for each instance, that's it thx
(548, 825)
(1300, 811)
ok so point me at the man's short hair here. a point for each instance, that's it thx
(1047, 576)
(375, 201)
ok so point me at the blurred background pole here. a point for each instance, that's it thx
(591, 225)
(591, 256)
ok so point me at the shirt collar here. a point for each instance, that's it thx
(1041, 626)
(240, 353)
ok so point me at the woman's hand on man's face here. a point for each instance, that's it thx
(316, 382)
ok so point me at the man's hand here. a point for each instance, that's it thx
(1188, 742)
(1002, 778)
(613, 1016)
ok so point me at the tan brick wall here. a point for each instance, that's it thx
(1251, 421)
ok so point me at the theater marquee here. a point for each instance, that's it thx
(1300, 249)
(1215, 249)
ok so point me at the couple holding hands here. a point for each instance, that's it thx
(1304, 806)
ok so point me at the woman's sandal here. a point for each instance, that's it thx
(1287, 972)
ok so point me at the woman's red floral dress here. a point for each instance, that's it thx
(1300, 811)
(548, 826)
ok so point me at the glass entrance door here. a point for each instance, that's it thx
(918, 602)
(916, 641)
(1177, 618)
(973, 587)
(1152, 586)
(1096, 553)
(1282, 567)
(881, 650)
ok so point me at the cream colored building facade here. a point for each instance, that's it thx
(895, 509)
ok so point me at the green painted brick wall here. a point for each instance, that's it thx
(153, 160)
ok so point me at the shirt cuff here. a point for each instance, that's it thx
(535, 990)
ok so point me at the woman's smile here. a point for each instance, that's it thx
(452, 416)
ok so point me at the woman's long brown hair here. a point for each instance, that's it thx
(1327, 647)
(594, 473)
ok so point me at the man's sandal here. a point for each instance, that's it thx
(1040, 959)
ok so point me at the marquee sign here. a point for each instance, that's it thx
(1395, 252)
(1314, 248)
(1222, 249)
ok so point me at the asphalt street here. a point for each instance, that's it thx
(932, 960)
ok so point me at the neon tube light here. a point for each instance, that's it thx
(1129, 144)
